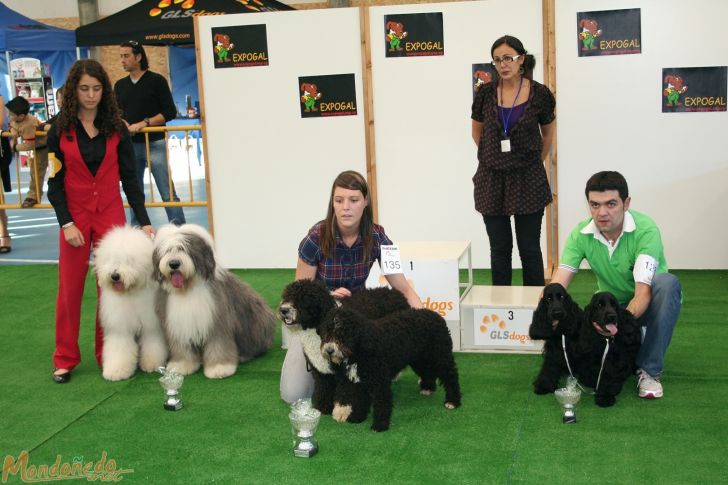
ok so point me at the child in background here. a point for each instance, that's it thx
(5, 159)
(22, 128)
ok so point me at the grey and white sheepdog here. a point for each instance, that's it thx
(210, 317)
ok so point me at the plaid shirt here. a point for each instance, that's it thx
(346, 268)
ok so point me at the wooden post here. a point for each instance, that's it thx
(366, 71)
(203, 122)
(549, 76)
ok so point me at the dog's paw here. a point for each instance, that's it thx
(341, 413)
(220, 371)
(150, 363)
(184, 367)
(380, 427)
(357, 417)
(604, 401)
(451, 405)
(426, 388)
(117, 373)
(543, 388)
(324, 409)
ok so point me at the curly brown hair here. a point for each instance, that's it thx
(108, 117)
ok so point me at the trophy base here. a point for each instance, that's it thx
(569, 419)
(306, 451)
(173, 406)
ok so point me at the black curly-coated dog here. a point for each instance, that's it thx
(304, 304)
(371, 352)
(606, 323)
(557, 318)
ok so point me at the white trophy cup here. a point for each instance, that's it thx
(568, 397)
(171, 381)
(304, 420)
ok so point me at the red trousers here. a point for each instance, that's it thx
(72, 269)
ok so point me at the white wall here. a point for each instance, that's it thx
(271, 170)
(610, 118)
(426, 157)
(277, 183)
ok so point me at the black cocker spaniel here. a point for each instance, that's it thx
(606, 324)
(556, 321)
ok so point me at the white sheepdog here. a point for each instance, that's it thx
(132, 333)
(209, 316)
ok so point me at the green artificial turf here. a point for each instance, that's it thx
(236, 430)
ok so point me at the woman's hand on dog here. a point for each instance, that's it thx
(149, 230)
(74, 236)
(340, 293)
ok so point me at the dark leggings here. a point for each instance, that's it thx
(528, 237)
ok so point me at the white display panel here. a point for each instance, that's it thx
(270, 170)
(426, 157)
(610, 118)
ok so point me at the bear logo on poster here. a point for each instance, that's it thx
(675, 87)
(395, 34)
(589, 32)
(222, 47)
(309, 96)
(481, 78)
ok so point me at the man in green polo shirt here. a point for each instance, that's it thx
(624, 249)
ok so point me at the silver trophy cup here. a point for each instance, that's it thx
(171, 381)
(568, 397)
(304, 420)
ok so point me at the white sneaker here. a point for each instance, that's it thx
(649, 387)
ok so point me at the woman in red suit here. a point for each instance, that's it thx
(91, 152)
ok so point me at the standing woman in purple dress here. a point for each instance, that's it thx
(512, 125)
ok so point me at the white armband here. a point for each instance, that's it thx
(568, 268)
(644, 269)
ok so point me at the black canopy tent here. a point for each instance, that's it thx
(164, 22)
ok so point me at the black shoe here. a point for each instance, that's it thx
(61, 378)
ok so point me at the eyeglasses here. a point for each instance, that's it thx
(505, 59)
(133, 42)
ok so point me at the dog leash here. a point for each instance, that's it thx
(601, 367)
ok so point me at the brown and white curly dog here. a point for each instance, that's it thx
(372, 352)
(304, 304)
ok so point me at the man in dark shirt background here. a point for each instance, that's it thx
(145, 100)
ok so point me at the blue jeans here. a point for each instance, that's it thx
(158, 154)
(658, 323)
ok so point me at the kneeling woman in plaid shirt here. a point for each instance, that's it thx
(339, 251)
